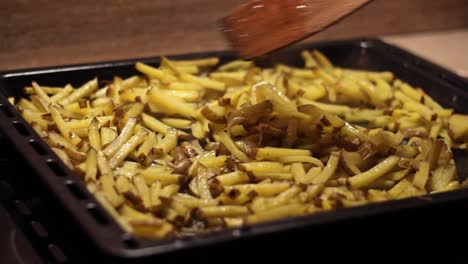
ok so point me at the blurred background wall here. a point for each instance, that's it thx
(36, 33)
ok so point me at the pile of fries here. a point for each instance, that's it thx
(190, 146)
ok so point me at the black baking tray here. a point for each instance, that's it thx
(90, 218)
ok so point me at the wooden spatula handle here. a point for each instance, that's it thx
(260, 26)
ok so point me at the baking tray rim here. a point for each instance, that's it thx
(165, 246)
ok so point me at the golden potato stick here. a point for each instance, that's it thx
(152, 72)
(213, 162)
(205, 62)
(91, 165)
(283, 211)
(131, 82)
(46, 89)
(403, 98)
(132, 214)
(374, 173)
(409, 91)
(226, 140)
(363, 115)
(420, 109)
(263, 166)
(281, 103)
(94, 138)
(170, 104)
(384, 90)
(204, 82)
(223, 211)
(127, 148)
(169, 65)
(233, 221)
(370, 92)
(236, 65)
(235, 198)
(309, 60)
(312, 92)
(131, 96)
(154, 124)
(39, 103)
(134, 111)
(304, 159)
(444, 113)
(431, 103)
(25, 104)
(38, 128)
(58, 120)
(174, 216)
(188, 96)
(154, 228)
(197, 130)
(107, 135)
(453, 185)
(202, 183)
(179, 123)
(272, 175)
(193, 202)
(114, 90)
(123, 185)
(103, 164)
(458, 127)
(145, 148)
(183, 86)
(155, 203)
(168, 142)
(92, 188)
(36, 117)
(270, 153)
(328, 108)
(81, 92)
(143, 190)
(229, 78)
(382, 183)
(231, 178)
(107, 185)
(422, 175)
(169, 190)
(298, 172)
(124, 136)
(378, 195)
(303, 74)
(190, 69)
(441, 177)
(321, 59)
(311, 174)
(399, 188)
(129, 169)
(165, 178)
(64, 157)
(111, 210)
(261, 189)
(85, 123)
(57, 140)
(40, 92)
(329, 169)
(181, 209)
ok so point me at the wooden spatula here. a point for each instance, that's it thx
(260, 26)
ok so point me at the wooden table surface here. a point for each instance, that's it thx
(446, 48)
(38, 33)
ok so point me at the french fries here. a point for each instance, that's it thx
(193, 144)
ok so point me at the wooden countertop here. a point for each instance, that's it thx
(41, 33)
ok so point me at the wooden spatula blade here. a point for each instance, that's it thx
(260, 26)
